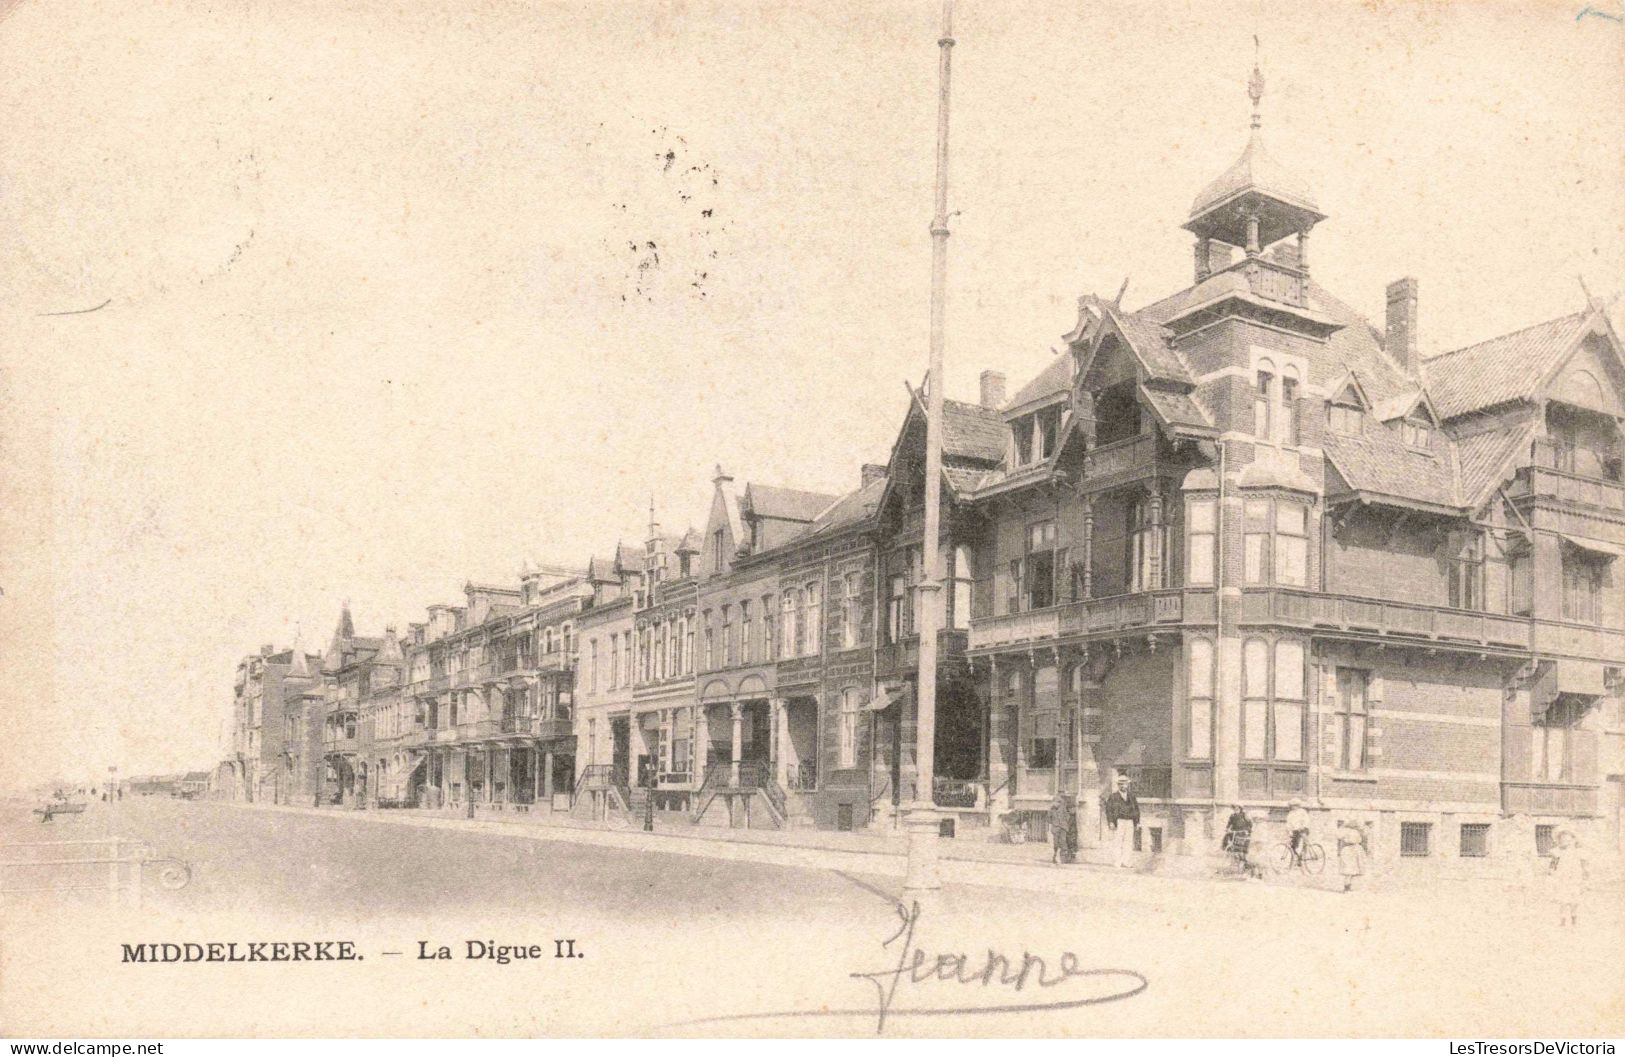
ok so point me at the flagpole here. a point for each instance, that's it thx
(921, 816)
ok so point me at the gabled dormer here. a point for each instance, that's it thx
(1412, 416)
(1348, 407)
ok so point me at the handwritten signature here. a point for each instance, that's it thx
(1590, 12)
(914, 966)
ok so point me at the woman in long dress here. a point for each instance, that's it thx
(1351, 852)
(1568, 877)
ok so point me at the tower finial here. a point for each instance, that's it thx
(1255, 84)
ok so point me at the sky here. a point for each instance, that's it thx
(389, 297)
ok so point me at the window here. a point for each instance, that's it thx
(1255, 540)
(961, 601)
(1202, 535)
(1582, 589)
(1291, 544)
(682, 733)
(1289, 701)
(1417, 435)
(896, 609)
(1353, 713)
(681, 642)
(1466, 573)
(592, 665)
(812, 620)
(1261, 405)
(1273, 732)
(1552, 757)
(1414, 838)
(1144, 547)
(1199, 692)
(727, 636)
(1544, 838)
(916, 576)
(1278, 528)
(719, 550)
(1042, 732)
(626, 658)
(1289, 410)
(1475, 840)
(851, 609)
(851, 705)
(710, 643)
(768, 645)
(788, 625)
(745, 656)
(1345, 418)
(1039, 575)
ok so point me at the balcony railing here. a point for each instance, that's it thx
(555, 661)
(895, 657)
(1274, 281)
(340, 743)
(1571, 475)
(1381, 617)
(1547, 798)
(479, 730)
(1121, 460)
(1579, 640)
(1143, 609)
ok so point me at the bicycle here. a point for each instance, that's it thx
(1312, 860)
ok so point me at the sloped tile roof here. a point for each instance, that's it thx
(1481, 458)
(851, 508)
(1500, 369)
(1177, 409)
(971, 431)
(1378, 461)
(963, 479)
(786, 504)
(1256, 170)
(1150, 342)
(1051, 381)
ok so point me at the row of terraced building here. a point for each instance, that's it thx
(1238, 544)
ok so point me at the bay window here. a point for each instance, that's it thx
(1202, 540)
(1275, 542)
(1199, 694)
(1273, 701)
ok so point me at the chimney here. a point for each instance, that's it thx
(993, 390)
(1401, 338)
(876, 471)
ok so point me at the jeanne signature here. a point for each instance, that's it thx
(914, 966)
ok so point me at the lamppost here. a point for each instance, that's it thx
(921, 816)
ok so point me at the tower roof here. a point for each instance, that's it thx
(1255, 183)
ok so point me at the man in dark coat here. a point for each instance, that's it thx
(1123, 816)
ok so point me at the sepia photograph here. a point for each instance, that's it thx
(728, 519)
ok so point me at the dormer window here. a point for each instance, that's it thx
(1347, 419)
(1036, 435)
(1417, 435)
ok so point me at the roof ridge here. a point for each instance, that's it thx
(1509, 334)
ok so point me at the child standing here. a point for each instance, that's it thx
(1568, 877)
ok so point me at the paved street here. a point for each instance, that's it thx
(670, 938)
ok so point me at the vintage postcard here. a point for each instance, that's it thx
(743, 519)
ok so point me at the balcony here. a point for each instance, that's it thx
(895, 658)
(479, 730)
(341, 744)
(1131, 459)
(1579, 640)
(1570, 475)
(555, 661)
(1310, 609)
(1094, 615)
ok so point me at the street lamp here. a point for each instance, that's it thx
(921, 817)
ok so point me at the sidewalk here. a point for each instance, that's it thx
(974, 864)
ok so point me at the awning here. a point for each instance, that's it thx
(1600, 548)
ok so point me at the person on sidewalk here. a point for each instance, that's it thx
(1297, 825)
(1123, 816)
(1568, 877)
(1063, 828)
(1238, 835)
(1351, 852)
